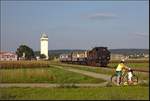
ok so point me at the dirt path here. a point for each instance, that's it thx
(47, 85)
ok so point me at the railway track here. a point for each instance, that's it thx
(109, 67)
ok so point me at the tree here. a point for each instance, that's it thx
(42, 56)
(25, 50)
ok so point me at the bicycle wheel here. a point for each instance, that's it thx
(124, 81)
(114, 79)
(135, 80)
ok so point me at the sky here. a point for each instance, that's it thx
(75, 24)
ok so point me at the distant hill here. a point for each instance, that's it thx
(63, 51)
(58, 52)
(129, 51)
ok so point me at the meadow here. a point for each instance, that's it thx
(132, 61)
(98, 93)
(103, 70)
(45, 72)
(43, 75)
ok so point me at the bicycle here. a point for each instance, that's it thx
(124, 79)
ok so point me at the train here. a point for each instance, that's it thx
(98, 56)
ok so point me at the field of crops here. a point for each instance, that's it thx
(38, 64)
(23, 64)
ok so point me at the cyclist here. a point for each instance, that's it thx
(130, 75)
(120, 68)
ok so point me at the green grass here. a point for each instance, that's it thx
(146, 60)
(43, 75)
(141, 76)
(88, 68)
(54, 75)
(101, 93)
(143, 66)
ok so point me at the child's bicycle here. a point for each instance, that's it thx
(124, 79)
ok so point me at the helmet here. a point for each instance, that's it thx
(122, 61)
(129, 68)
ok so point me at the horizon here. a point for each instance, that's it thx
(75, 24)
(91, 48)
(84, 49)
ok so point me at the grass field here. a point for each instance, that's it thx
(138, 65)
(43, 75)
(141, 76)
(143, 66)
(29, 72)
(101, 93)
(49, 74)
(146, 60)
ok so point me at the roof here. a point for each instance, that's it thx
(7, 53)
(44, 35)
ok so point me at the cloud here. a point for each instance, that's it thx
(141, 34)
(102, 16)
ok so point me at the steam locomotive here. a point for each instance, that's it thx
(98, 56)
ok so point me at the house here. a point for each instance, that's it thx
(8, 56)
(116, 56)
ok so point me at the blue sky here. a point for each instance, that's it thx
(75, 24)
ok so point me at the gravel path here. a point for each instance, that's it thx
(47, 85)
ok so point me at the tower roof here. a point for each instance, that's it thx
(44, 35)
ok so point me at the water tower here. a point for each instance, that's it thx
(44, 44)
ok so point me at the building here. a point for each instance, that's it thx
(44, 45)
(8, 56)
(146, 55)
(116, 56)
